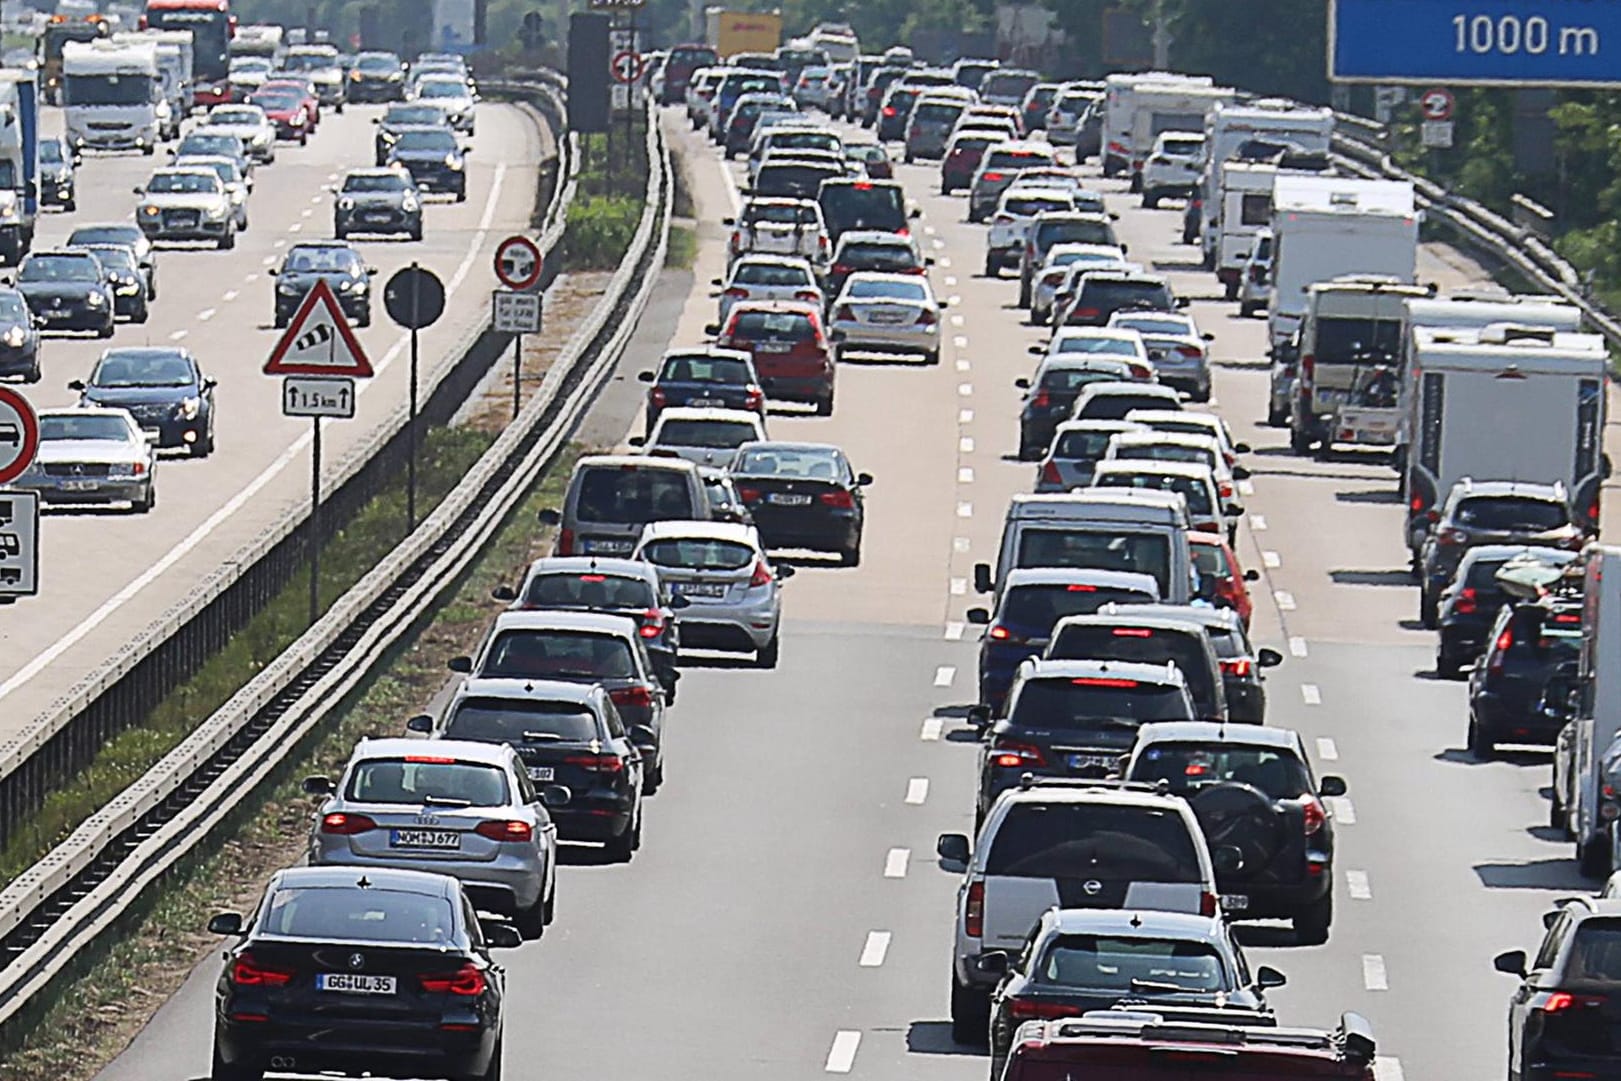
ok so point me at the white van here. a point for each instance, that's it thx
(1597, 723)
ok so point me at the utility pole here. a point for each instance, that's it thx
(1162, 37)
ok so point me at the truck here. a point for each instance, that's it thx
(1158, 109)
(258, 39)
(1471, 389)
(112, 96)
(1591, 804)
(732, 32)
(1229, 127)
(1120, 97)
(19, 163)
(174, 70)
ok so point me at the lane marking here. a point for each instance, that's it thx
(1312, 695)
(965, 475)
(1374, 977)
(959, 544)
(179, 335)
(944, 675)
(939, 245)
(872, 954)
(965, 389)
(281, 242)
(954, 300)
(269, 260)
(960, 341)
(1387, 1068)
(1271, 560)
(965, 510)
(928, 230)
(965, 416)
(1297, 646)
(205, 315)
(1327, 749)
(297, 226)
(959, 586)
(1246, 487)
(965, 445)
(1286, 601)
(943, 261)
(314, 199)
(251, 278)
(895, 862)
(951, 280)
(958, 321)
(306, 212)
(963, 364)
(955, 629)
(931, 728)
(1258, 522)
(842, 1056)
(231, 294)
(1344, 810)
(1357, 885)
(917, 790)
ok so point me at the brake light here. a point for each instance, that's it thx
(1189, 351)
(346, 825)
(1237, 666)
(596, 763)
(761, 575)
(1104, 681)
(973, 914)
(840, 499)
(631, 696)
(1558, 1002)
(499, 830)
(993, 177)
(749, 495)
(1417, 504)
(861, 185)
(754, 398)
(1501, 647)
(1451, 536)
(431, 759)
(1226, 490)
(1022, 1009)
(565, 542)
(1207, 904)
(652, 623)
(927, 318)
(1308, 366)
(842, 268)
(736, 293)
(1085, 313)
(1042, 400)
(1051, 475)
(1010, 754)
(247, 972)
(1002, 219)
(999, 633)
(1314, 815)
(467, 980)
(1466, 603)
(1132, 632)
(889, 110)
(808, 296)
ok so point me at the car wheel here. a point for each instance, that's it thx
(1202, 394)
(220, 1070)
(1245, 309)
(203, 447)
(365, 317)
(851, 556)
(141, 315)
(531, 921)
(970, 1013)
(303, 138)
(1311, 925)
(228, 239)
(492, 1072)
(993, 269)
(34, 374)
(1481, 745)
(654, 777)
(1556, 812)
(824, 406)
(1446, 665)
(1275, 417)
(624, 846)
(1150, 200)
(461, 194)
(1593, 857)
(1429, 609)
(1024, 293)
(280, 320)
(416, 231)
(106, 331)
(770, 653)
(339, 232)
(1299, 441)
(71, 205)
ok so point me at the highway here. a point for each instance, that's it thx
(786, 916)
(106, 574)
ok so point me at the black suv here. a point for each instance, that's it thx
(1251, 788)
(1527, 644)
(1564, 1018)
(1122, 633)
(1469, 604)
(1490, 512)
(1241, 663)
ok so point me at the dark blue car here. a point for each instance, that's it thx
(162, 387)
(703, 377)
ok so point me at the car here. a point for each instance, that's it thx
(1117, 401)
(1142, 634)
(863, 205)
(705, 435)
(1101, 293)
(1049, 399)
(1082, 224)
(610, 497)
(873, 159)
(123, 274)
(746, 117)
(1176, 346)
(1191, 422)
(1228, 582)
(1100, 343)
(1204, 450)
(1077, 446)
(58, 179)
(1037, 101)
(1242, 664)
(400, 117)
(162, 387)
(377, 76)
(236, 185)
(1172, 168)
(1195, 482)
(258, 131)
(377, 201)
(1251, 787)
(1007, 86)
(19, 337)
(1471, 600)
(1046, 842)
(930, 124)
(998, 168)
(1490, 512)
(247, 74)
(898, 100)
(319, 64)
(960, 159)
(1527, 644)
(881, 252)
(129, 235)
(722, 569)
(886, 313)
(812, 89)
(1016, 209)
(332, 261)
(1078, 960)
(703, 377)
(1063, 262)
(802, 495)
(230, 142)
(567, 734)
(67, 289)
(453, 95)
(796, 174)
(291, 107)
(783, 227)
(767, 277)
(1559, 1019)
(581, 647)
(800, 133)
(433, 157)
(1255, 279)
(789, 347)
(89, 454)
(1063, 120)
(459, 808)
(189, 203)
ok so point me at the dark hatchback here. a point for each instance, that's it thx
(1525, 647)
(1102, 293)
(1490, 512)
(162, 387)
(1119, 633)
(57, 180)
(1469, 604)
(863, 204)
(1564, 1017)
(124, 277)
(19, 337)
(803, 495)
(703, 377)
(1049, 398)
(1240, 662)
(376, 76)
(333, 261)
(383, 971)
(67, 290)
(433, 157)
(407, 116)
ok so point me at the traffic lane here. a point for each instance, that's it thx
(218, 304)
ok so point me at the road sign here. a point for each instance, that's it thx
(1436, 134)
(19, 545)
(1505, 43)
(619, 98)
(627, 67)
(516, 313)
(518, 263)
(318, 396)
(414, 298)
(1437, 104)
(624, 39)
(19, 435)
(318, 340)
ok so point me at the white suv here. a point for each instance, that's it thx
(1173, 166)
(1067, 843)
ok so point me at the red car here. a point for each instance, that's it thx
(1215, 560)
(961, 161)
(291, 106)
(790, 349)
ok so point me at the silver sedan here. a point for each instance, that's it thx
(92, 454)
(887, 313)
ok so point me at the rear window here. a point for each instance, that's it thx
(1111, 296)
(937, 113)
(1132, 964)
(1344, 340)
(1083, 446)
(1188, 650)
(880, 256)
(410, 780)
(699, 554)
(911, 289)
(1094, 704)
(785, 179)
(1029, 207)
(780, 214)
(772, 326)
(1122, 347)
(1038, 607)
(705, 370)
(1211, 561)
(349, 913)
(1116, 406)
(632, 495)
(1189, 767)
(1141, 553)
(1006, 85)
(1511, 513)
(863, 205)
(1071, 380)
(558, 654)
(588, 590)
(1073, 232)
(1595, 954)
(1086, 840)
(1016, 159)
(1482, 576)
(711, 434)
(805, 140)
(503, 720)
(1172, 452)
(1255, 209)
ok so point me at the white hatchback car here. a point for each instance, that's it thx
(704, 435)
(734, 595)
(886, 313)
(1057, 270)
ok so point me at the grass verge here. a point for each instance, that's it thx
(683, 248)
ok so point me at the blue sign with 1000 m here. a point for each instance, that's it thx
(1476, 42)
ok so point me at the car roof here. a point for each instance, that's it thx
(1191, 470)
(490, 754)
(1165, 675)
(1121, 386)
(1135, 923)
(1078, 790)
(374, 171)
(1509, 551)
(727, 531)
(1107, 275)
(886, 276)
(1149, 416)
(1126, 615)
(584, 694)
(1252, 735)
(547, 619)
(631, 461)
(1069, 247)
(1224, 618)
(1152, 438)
(622, 568)
(798, 262)
(1057, 576)
(791, 307)
(1023, 145)
(1550, 492)
(1098, 425)
(1110, 333)
(710, 412)
(378, 877)
(788, 444)
(83, 411)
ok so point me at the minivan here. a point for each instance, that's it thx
(612, 496)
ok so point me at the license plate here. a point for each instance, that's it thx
(353, 983)
(701, 589)
(540, 773)
(439, 839)
(706, 403)
(772, 347)
(608, 546)
(1085, 761)
(378, 215)
(78, 485)
(1235, 902)
(888, 317)
(786, 499)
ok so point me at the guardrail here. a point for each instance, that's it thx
(53, 912)
(171, 648)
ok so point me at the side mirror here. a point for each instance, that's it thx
(728, 221)
(953, 848)
(1182, 302)
(319, 786)
(1267, 977)
(138, 190)
(786, 572)
(983, 582)
(463, 665)
(679, 602)
(929, 261)
(979, 617)
(863, 479)
(556, 795)
(979, 715)
(1035, 351)
(1232, 510)
(646, 377)
(76, 384)
(1241, 473)
(1227, 859)
(372, 272)
(1241, 448)
(226, 923)
(1331, 785)
(549, 516)
(994, 962)
(716, 282)
(1207, 336)
(420, 723)
(1268, 658)
(1252, 575)
(504, 593)
(501, 935)
(916, 213)
(712, 329)
(1023, 383)
(637, 441)
(1512, 962)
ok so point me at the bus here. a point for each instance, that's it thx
(212, 26)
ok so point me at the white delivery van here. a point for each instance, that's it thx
(1157, 108)
(1598, 714)
(1229, 127)
(1120, 110)
(1328, 226)
(1473, 390)
(1138, 530)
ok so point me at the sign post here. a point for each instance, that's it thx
(415, 298)
(516, 311)
(19, 545)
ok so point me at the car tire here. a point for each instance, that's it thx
(416, 232)
(1024, 293)
(1429, 609)
(1556, 813)
(851, 556)
(1299, 441)
(653, 779)
(770, 653)
(993, 269)
(70, 206)
(620, 849)
(220, 1070)
(1593, 857)
(228, 239)
(34, 374)
(1229, 290)
(142, 314)
(1150, 200)
(932, 357)
(106, 331)
(824, 406)
(204, 446)
(339, 232)
(1481, 745)
(304, 138)
(531, 921)
(365, 317)
(970, 1013)
(1446, 665)
(461, 194)
(492, 1072)
(1245, 309)
(1276, 418)
(1201, 395)
(1312, 923)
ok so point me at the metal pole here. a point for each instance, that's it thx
(630, 110)
(517, 375)
(411, 421)
(1162, 37)
(315, 522)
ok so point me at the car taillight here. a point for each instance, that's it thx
(652, 623)
(754, 398)
(468, 980)
(505, 830)
(843, 313)
(565, 542)
(1208, 904)
(1500, 648)
(761, 575)
(840, 499)
(1308, 366)
(657, 397)
(1189, 351)
(808, 296)
(927, 318)
(247, 972)
(346, 825)
(1237, 666)
(1084, 313)
(1313, 815)
(821, 241)
(1024, 1009)
(842, 268)
(736, 293)
(1226, 489)
(993, 177)
(1452, 536)
(1416, 505)
(1050, 473)
(1559, 1002)
(1002, 219)
(999, 633)
(596, 763)
(1466, 603)
(889, 110)
(1042, 400)
(973, 914)
(631, 696)
(1011, 754)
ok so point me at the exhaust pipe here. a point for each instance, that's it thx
(282, 1062)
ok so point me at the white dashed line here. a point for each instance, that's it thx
(960, 544)
(842, 1056)
(965, 475)
(963, 365)
(1246, 487)
(1271, 560)
(917, 790)
(960, 341)
(1374, 977)
(1356, 884)
(205, 315)
(959, 587)
(928, 230)
(1344, 810)
(965, 510)
(965, 445)
(269, 260)
(873, 953)
(250, 279)
(958, 321)
(895, 863)
(1310, 693)
(954, 300)
(955, 630)
(944, 675)
(965, 416)
(951, 280)
(943, 261)
(230, 295)
(1297, 646)
(932, 726)
(306, 212)
(1387, 1068)
(965, 389)
(297, 226)
(179, 335)
(1286, 601)
(315, 199)
(330, 177)
(1258, 522)
(1327, 749)
(939, 245)
(280, 243)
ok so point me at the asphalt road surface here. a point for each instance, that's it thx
(786, 917)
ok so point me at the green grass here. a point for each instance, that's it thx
(683, 248)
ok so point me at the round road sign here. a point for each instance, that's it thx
(1437, 104)
(19, 435)
(414, 297)
(518, 263)
(627, 67)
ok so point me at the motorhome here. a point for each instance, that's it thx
(1229, 128)
(1120, 111)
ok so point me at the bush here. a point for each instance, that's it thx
(599, 231)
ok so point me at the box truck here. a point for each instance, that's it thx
(732, 32)
(1120, 97)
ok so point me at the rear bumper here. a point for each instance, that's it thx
(799, 388)
(727, 635)
(398, 1048)
(1506, 719)
(512, 882)
(833, 530)
(1278, 900)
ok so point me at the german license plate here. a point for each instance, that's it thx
(437, 839)
(1087, 761)
(540, 773)
(378, 215)
(888, 315)
(607, 547)
(354, 983)
(702, 589)
(1235, 902)
(787, 499)
(772, 347)
(78, 485)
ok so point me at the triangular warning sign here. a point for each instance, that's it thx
(318, 340)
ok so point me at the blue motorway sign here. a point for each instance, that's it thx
(1476, 42)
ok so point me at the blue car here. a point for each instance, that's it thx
(703, 377)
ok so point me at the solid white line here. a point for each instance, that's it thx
(1297, 646)
(965, 475)
(965, 416)
(843, 1054)
(1374, 977)
(965, 389)
(917, 790)
(944, 675)
(230, 295)
(1286, 601)
(965, 445)
(954, 630)
(1271, 559)
(965, 510)
(1258, 522)
(895, 863)
(1387, 1068)
(963, 364)
(179, 335)
(1312, 695)
(1344, 810)
(959, 587)
(931, 729)
(205, 315)
(872, 954)
(959, 544)
(1356, 884)
(1327, 749)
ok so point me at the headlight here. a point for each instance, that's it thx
(344, 286)
(454, 162)
(298, 119)
(346, 203)
(395, 77)
(128, 469)
(354, 76)
(8, 213)
(358, 285)
(188, 407)
(219, 210)
(16, 337)
(95, 300)
(408, 204)
(287, 289)
(150, 211)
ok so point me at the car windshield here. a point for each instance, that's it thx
(699, 554)
(712, 434)
(59, 268)
(1096, 704)
(143, 370)
(771, 274)
(1091, 840)
(1188, 767)
(1127, 964)
(1193, 489)
(197, 144)
(507, 720)
(108, 89)
(355, 914)
(1079, 231)
(589, 590)
(182, 184)
(558, 654)
(1141, 553)
(805, 140)
(13, 309)
(1345, 340)
(438, 142)
(633, 495)
(1513, 513)
(863, 205)
(773, 326)
(874, 256)
(1037, 608)
(384, 62)
(414, 114)
(886, 290)
(374, 182)
(322, 259)
(250, 65)
(416, 780)
(308, 62)
(111, 428)
(971, 144)
(1124, 347)
(276, 101)
(50, 152)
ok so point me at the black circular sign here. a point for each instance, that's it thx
(415, 298)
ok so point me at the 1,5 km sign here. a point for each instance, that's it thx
(1476, 42)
